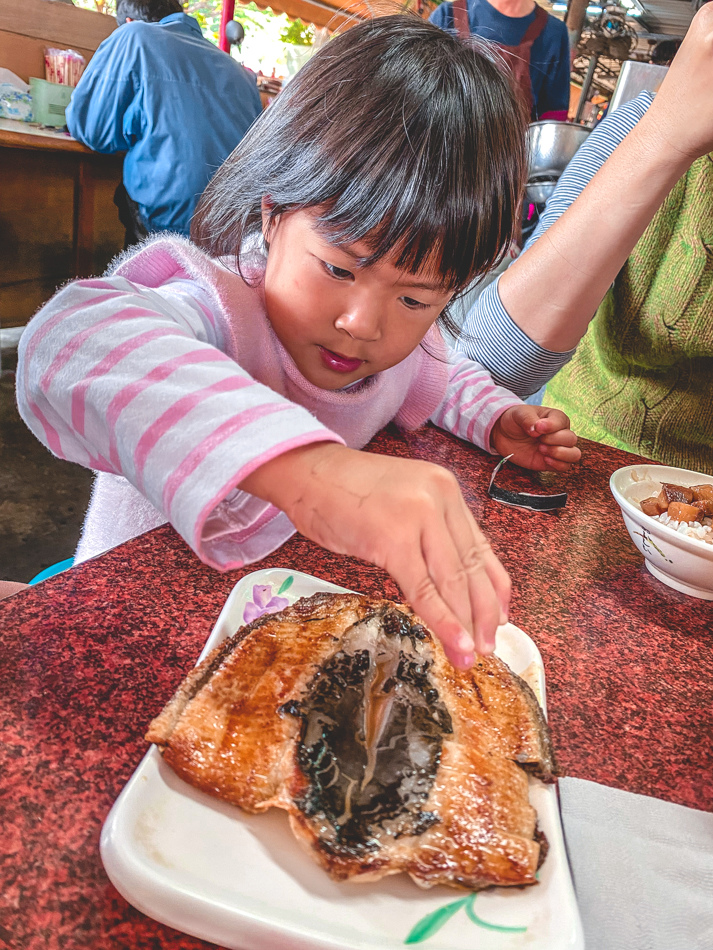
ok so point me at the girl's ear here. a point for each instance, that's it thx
(268, 222)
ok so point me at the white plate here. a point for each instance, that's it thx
(242, 881)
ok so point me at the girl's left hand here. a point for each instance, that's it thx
(536, 437)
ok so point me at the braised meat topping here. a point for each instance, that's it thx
(681, 504)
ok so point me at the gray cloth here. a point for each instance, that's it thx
(643, 869)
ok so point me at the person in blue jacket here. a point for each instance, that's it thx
(176, 104)
(534, 43)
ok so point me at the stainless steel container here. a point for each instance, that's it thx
(551, 146)
(635, 78)
(539, 191)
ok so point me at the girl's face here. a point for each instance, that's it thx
(339, 320)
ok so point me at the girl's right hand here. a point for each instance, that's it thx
(683, 108)
(408, 517)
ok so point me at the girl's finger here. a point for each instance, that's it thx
(563, 453)
(500, 579)
(488, 581)
(560, 437)
(448, 574)
(555, 465)
(485, 627)
(460, 661)
(421, 592)
(553, 420)
(541, 426)
(561, 419)
(456, 583)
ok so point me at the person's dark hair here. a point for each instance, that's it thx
(663, 52)
(401, 135)
(150, 11)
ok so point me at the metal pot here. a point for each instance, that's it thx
(551, 146)
(540, 189)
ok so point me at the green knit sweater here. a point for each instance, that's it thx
(642, 376)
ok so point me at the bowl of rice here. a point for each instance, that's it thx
(677, 552)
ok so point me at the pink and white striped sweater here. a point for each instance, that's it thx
(166, 378)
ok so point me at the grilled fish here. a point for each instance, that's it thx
(345, 712)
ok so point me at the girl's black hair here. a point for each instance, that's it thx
(401, 136)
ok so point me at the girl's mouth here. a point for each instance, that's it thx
(337, 362)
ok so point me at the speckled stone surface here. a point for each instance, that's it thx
(89, 657)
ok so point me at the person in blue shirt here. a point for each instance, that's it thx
(176, 104)
(534, 43)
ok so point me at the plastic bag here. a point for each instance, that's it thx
(64, 66)
(15, 104)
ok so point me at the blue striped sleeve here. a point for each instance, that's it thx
(489, 335)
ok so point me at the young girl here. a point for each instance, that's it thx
(227, 385)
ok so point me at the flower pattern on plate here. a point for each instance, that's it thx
(265, 602)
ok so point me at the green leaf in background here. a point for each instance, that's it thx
(469, 901)
(298, 33)
(285, 585)
(433, 922)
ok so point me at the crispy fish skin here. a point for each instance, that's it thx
(222, 732)
(236, 725)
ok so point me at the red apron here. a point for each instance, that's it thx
(517, 57)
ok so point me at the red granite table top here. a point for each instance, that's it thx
(90, 656)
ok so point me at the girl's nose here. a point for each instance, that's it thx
(361, 320)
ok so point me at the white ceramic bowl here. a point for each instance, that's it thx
(684, 563)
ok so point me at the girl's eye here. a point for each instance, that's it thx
(339, 272)
(414, 304)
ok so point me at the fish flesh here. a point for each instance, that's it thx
(345, 712)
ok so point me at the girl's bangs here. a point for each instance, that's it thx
(424, 231)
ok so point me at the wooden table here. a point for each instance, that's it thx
(90, 656)
(52, 185)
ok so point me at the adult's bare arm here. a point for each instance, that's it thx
(553, 290)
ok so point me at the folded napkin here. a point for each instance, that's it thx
(643, 869)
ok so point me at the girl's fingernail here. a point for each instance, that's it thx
(485, 645)
(467, 661)
(465, 643)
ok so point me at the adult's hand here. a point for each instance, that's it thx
(408, 517)
(683, 107)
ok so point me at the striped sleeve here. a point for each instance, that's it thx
(132, 381)
(472, 403)
(489, 335)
